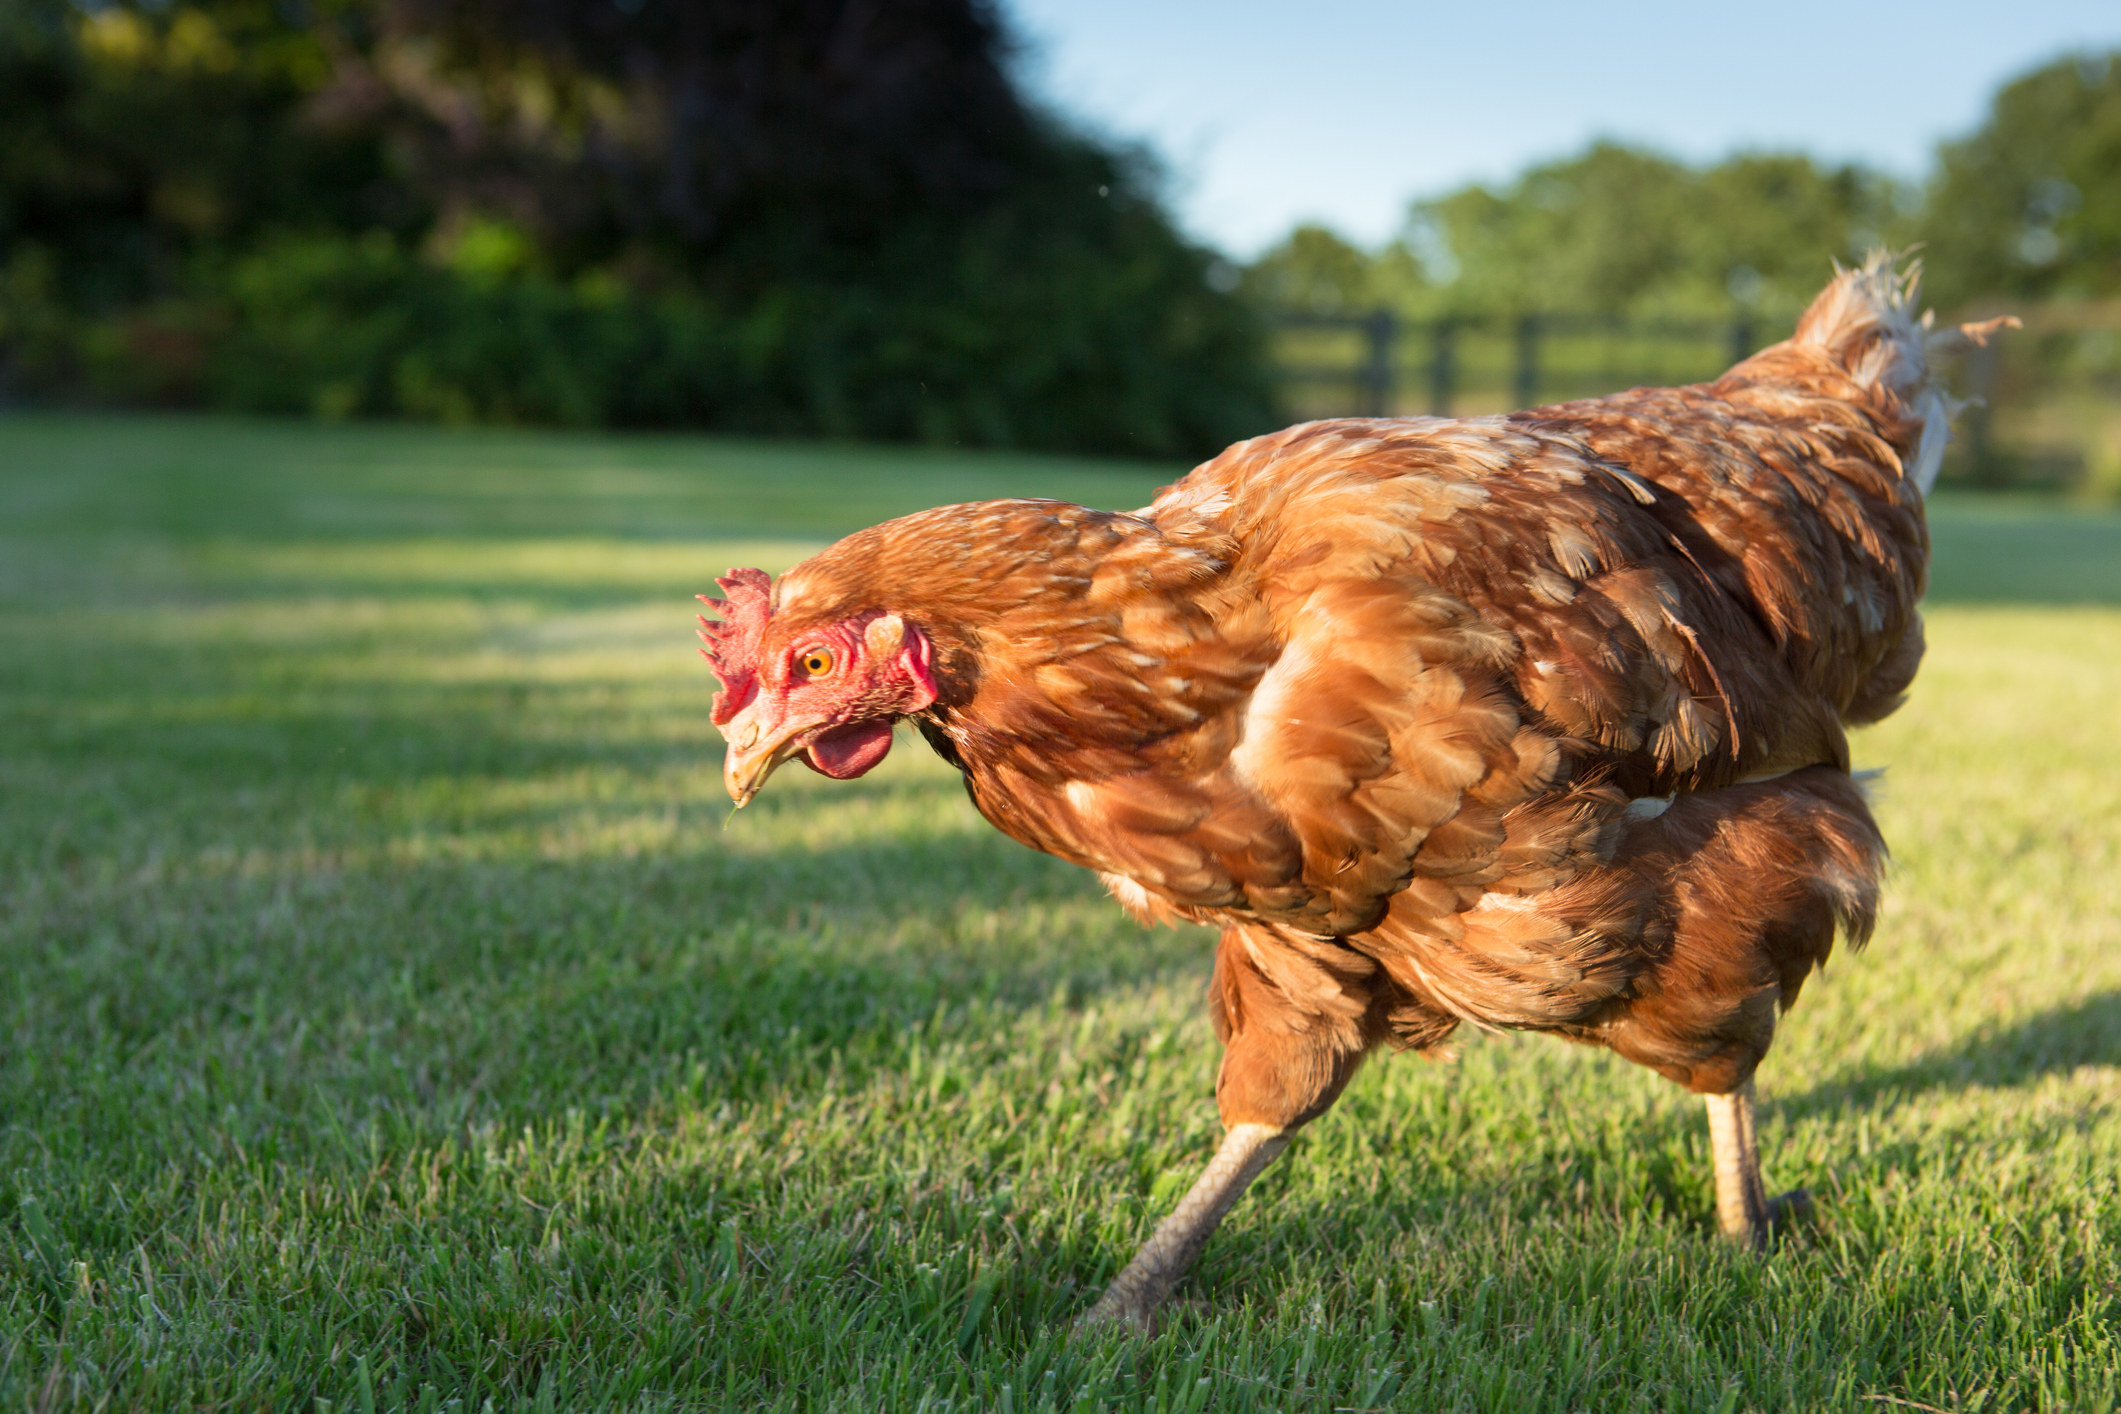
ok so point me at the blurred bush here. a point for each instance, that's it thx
(803, 216)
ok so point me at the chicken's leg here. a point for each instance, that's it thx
(1283, 1066)
(1138, 1290)
(1743, 1209)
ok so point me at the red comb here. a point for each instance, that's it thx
(733, 644)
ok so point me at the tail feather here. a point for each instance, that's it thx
(1866, 322)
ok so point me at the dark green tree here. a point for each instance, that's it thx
(143, 141)
(816, 216)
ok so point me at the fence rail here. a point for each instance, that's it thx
(1373, 382)
(2046, 401)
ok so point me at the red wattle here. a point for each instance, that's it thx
(845, 752)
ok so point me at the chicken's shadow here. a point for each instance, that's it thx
(2059, 1039)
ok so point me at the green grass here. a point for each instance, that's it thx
(391, 1015)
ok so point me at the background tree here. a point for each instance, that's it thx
(141, 144)
(1615, 231)
(816, 216)
(1318, 271)
(2030, 204)
(1624, 231)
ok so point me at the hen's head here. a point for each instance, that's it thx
(828, 692)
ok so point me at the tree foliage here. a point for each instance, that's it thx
(1318, 271)
(137, 139)
(785, 215)
(1615, 231)
(2030, 204)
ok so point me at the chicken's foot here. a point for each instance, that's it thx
(1743, 1209)
(1137, 1291)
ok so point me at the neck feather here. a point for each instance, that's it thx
(1055, 628)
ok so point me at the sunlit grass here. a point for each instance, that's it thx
(396, 1016)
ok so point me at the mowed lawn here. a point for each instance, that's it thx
(394, 1016)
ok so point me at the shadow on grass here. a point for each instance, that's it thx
(1653, 1170)
(686, 970)
(2060, 1039)
(387, 885)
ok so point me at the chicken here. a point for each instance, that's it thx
(1532, 722)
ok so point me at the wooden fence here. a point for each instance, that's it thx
(1382, 364)
(2046, 401)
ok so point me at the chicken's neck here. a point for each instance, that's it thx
(1066, 641)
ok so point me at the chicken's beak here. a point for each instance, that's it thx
(758, 743)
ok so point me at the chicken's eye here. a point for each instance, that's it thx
(817, 662)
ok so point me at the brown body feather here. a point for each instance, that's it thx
(1532, 722)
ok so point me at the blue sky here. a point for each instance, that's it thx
(1343, 110)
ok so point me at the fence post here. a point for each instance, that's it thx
(1380, 332)
(1741, 339)
(1981, 378)
(1526, 385)
(1441, 371)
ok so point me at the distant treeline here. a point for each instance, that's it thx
(814, 216)
(2027, 209)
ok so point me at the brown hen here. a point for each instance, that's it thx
(1535, 722)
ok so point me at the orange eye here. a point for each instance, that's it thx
(817, 662)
